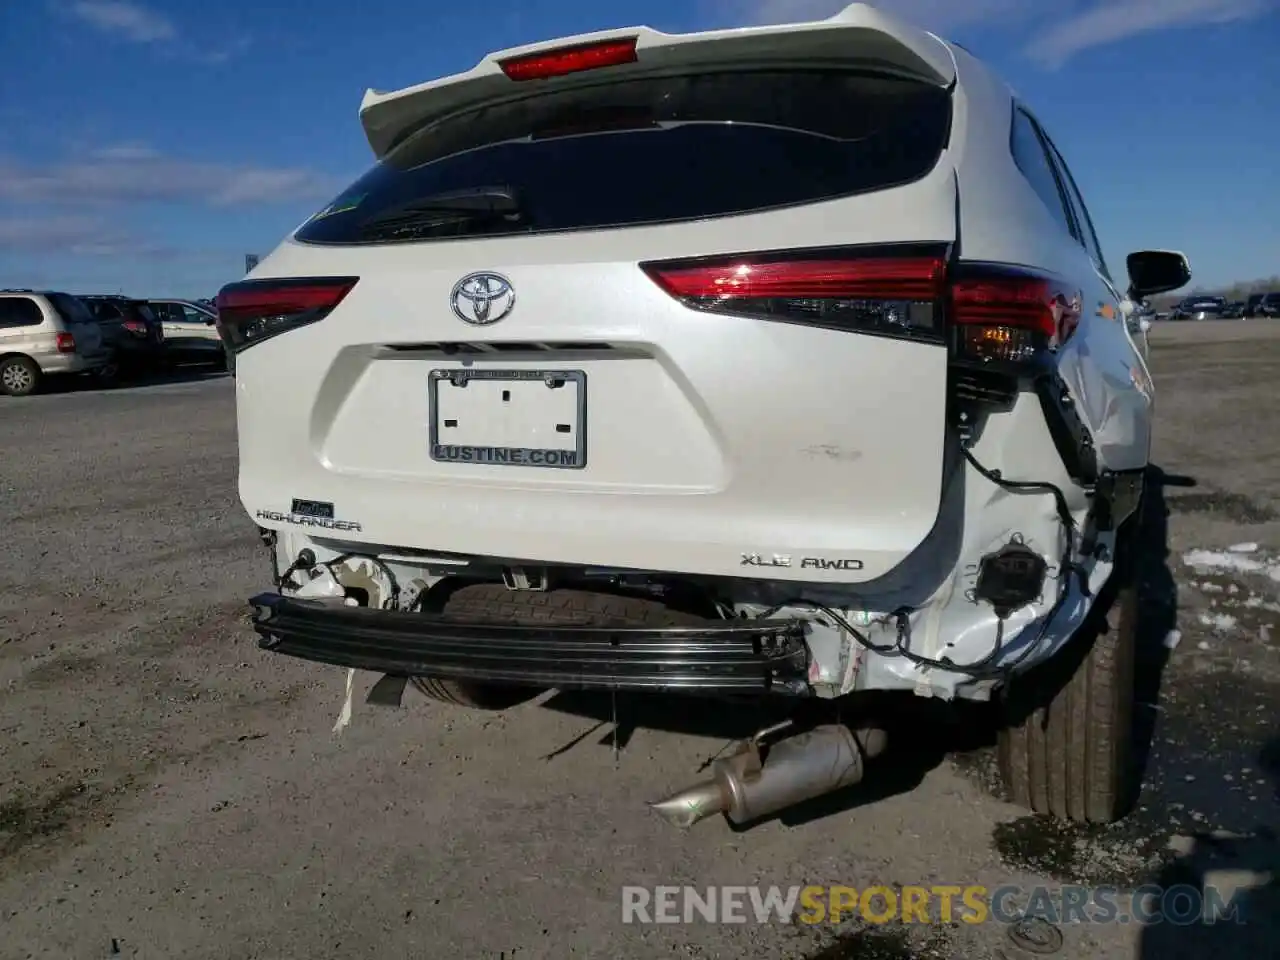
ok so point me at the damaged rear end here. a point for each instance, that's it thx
(643, 361)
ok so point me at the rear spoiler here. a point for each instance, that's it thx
(858, 33)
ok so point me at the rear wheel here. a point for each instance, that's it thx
(494, 603)
(1066, 747)
(19, 376)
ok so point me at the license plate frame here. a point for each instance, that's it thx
(542, 458)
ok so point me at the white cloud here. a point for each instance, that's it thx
(134, 173)
(1060, 28)
(124, 151)
(82, 236)
(130, 21)
(1119, 19)
(136, 23)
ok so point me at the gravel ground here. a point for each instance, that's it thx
(167, 790)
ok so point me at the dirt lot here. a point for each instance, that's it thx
(167, 790)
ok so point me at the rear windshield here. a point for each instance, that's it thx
(70, 309)
(645, 150)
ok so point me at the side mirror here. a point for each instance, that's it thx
(1156, 271)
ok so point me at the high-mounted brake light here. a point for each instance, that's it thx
(65, 342)
(893, 293)
(255, 310)
(557, 63)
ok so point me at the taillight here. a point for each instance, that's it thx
(557, 63)
(66, 343)
(996, 315)
(137, 327)
(895, 292)
(255, 310)
(1007, 314)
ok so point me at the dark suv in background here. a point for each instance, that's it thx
(1199, 308)
(131, 331)
(1263, 305)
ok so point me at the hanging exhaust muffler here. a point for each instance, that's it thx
(756, 781)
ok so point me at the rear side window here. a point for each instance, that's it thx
(19, 312)
(104, 310)
(1081, 213)
(645, 150)
(1029, 155)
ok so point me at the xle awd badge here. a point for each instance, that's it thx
(806, 563)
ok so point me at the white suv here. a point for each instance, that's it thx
(776, 362)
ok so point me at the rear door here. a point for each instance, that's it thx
(189, 333)
(806, 420)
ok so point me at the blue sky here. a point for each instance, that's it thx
(147, 146)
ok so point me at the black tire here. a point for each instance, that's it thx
(1066, 746)
(494, 603)
(108, 375)
(19, 376)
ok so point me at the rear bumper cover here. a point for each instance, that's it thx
(728, 657)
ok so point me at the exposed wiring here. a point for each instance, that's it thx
(980, 669)
(1026, 486)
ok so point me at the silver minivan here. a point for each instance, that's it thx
(42, 334)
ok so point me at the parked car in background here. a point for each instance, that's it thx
(44, 333)
(132, 332)
(1233, 310)
(1268, 305)
(1199, 308)
(190, 332)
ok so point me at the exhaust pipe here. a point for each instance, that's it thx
(748, 785)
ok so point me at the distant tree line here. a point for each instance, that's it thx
(1240, 290)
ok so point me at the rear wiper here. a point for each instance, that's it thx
(446, 209)
(469, 200)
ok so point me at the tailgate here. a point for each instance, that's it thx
(603, 408)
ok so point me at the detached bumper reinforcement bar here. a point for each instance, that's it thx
(729, 656)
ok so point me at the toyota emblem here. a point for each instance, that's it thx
(482, 298)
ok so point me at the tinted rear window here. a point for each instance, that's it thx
(70, 309)
(648, 150)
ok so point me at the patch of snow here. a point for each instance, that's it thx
(1203, 645)
(1234, 562)
(1172, 639)
(1243, 548)
(1221, 622)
